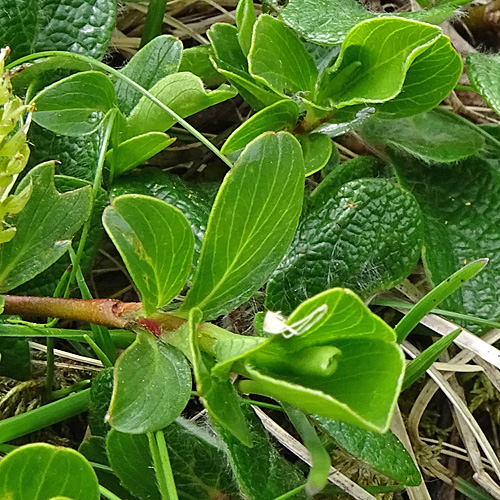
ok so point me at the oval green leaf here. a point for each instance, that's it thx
(251, 224)
(273, 118)
(152, 386)
(41, 471)
(317, 149)
(156, 244)
(73, 106)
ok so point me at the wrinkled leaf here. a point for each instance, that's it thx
(152, 386)
(82, 26)
(137, 150)
(317, 149)
(435, 136)
(73, 106)
(261, 195)
(15, 358)
(248, 464)
(275, 117)
(184, 93)
(461, 224)
(41, 471)
(100, 397)
(367, 237)
(159, 58)
(44, 228)
(156, 244)
(384, 452)
(279, 59)
(484, 74)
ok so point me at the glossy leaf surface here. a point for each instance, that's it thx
(41, 471)
(44, 228)
(367, 237)
(317, 149)
(72, 106)
(251, 224)
(156, 244)
(152, 386)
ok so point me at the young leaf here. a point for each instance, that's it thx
(82, 26)
(431, 77)
(321, 462)
(251, 224)
(484, 73)
(193, 200)
(434, 136)
(384, 452)
(338, 360)
(157, 59)
(198, 463)
(219, 396)
(184, 93)
(346, 119)
(317, 149)
(374, 60)
(196, 60)
(149, 396)
(248, 464)
(72, 106)
(367, 237)
(44, 228)
(279, 59)
(273, 118)
(461, 225)
(137, 150)
(245, 20)
(416, 368)
(156, 244)
(41, 471)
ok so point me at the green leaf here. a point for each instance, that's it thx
(157, 59)
(417, 367)
(218, 396)
(338, 360)
(384, 452)
(431, 77)
(317, 149)
(156, 244)
(245, 20)
(93, 449)
(460, 225)
(226, 46)
(484, 73)
(367, 237)
(279, 59)
(152, 386)
(73, 106)
(44, 228)
(321, 462)
(328, 22)
(41, 471)
(196, 60)
(82, 26)
(275, 117)
(183, 93)
(137, 150)
(345, 120)
(248, 464)
(434, 136)
(262, 195)
(375, 57)
(100, 398)
(198, 463)
(15, 358)
(193, 200)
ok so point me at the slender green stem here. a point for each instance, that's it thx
(166, 468)
(108, 494)
(154, 20)
(98, 351)
(158, 465)
(291, 493)
(52, 413)
(50, 369)
(466, 88)
(471, 490)
(142, 90)
(66, 391)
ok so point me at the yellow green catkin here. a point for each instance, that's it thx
(15, 117)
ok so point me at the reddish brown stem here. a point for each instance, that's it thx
(107, 312)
